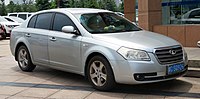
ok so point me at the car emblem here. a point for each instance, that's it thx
(172, 52)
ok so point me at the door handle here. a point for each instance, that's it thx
(52, 39)
(28, 35)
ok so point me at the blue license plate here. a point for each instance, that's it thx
(176, 68)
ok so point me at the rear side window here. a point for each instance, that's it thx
(44, 21)
(29, 15)
(195, 14)
(23, 16)
(13, 15)
(60, 21)
(32, 22)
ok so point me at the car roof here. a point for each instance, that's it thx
(77, 10)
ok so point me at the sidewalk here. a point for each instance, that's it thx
(193, 56)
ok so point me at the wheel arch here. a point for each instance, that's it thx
(90, 56)
(21, 43)
(17, 47)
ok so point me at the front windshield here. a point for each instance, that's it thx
(106, 23)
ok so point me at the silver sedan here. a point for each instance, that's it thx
(98, 44)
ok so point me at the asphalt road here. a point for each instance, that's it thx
(53, 84)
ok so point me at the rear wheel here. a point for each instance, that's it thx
(24, 59)
(100, 74)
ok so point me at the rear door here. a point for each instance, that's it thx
(37, 35)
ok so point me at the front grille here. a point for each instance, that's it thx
(169, 55)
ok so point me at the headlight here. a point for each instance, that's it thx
(133, 54)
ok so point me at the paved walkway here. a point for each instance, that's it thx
(46, 83)
(193, 56)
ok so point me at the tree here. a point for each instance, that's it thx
(53, 4)
(31, 8)
(43, 4)
(18, 8)
(111, 5)
(2, 8)
(93, 4)
(10, 7)
(24, 1)
(121, 7)
(64, 4)
(101, 4)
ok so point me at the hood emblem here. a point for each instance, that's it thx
(172, 52)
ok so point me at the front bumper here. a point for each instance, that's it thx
(154, 77)
(138, 72)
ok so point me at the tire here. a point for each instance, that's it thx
(100, 74)
(24, 59)
(2, 36)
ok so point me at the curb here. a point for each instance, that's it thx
(194, 63)
(193, 72)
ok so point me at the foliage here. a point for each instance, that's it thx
(43, 4)
(2, 8)
(25, 7)
(29, 6)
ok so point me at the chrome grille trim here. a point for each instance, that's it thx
(164, 56)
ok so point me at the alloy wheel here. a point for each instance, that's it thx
(98, 73)
(23, 58)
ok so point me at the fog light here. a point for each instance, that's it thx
(139, 77)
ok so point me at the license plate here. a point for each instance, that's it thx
(176, 68)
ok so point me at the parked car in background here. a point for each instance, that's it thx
(8, 26)
(2, 33)
(23, 15)
(104, 47)
(198, 44)
(120, 14)
(14, 19)
(191, 17)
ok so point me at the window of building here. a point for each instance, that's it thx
(181, 11)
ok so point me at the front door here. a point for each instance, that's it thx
(64, 48)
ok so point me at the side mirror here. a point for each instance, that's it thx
(69, 29)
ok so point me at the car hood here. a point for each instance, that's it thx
(9, 23)
(143, 40)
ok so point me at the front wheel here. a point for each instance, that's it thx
(24, 59)
(100, 74)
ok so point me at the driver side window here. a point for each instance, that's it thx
(61, 20)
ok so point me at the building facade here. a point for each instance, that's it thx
(178, 19)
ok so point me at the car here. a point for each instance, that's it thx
(2, 33)
(7, 26)
(105, 48)
(120, 14)
(191, 17)
(198, 44)
(23, 15)
(14, 19)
